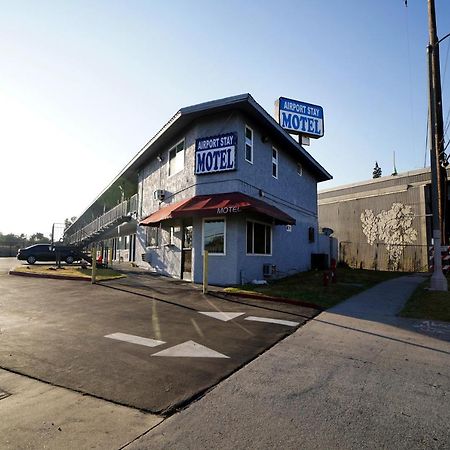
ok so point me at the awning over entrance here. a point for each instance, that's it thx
(218, 205)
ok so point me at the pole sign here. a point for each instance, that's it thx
(300, 118)
(215, 153)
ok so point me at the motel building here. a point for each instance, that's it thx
(222, 176)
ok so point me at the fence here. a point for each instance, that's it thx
(9, 249)
(380, 256)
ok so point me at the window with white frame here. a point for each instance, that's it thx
(259, 238)
(172, 236)
(248, 144)
(152, 237)
(274, 162)
(176, 158)
(214, 238)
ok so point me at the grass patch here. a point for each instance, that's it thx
(308, 286)
(71, 271)
(426, 304)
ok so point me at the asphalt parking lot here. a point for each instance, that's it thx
(145, 341)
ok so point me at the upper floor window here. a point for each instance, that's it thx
(274, 162)
(299, 169)
(176, 158)
(248, 144)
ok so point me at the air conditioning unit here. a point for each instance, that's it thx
(159, 194)
(269, 270)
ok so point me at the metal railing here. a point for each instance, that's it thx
(105, 222)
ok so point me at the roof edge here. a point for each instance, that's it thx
(375, 180)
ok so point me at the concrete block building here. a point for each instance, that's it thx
(382, 223)
(221, 176)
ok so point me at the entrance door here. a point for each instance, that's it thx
(186, 255)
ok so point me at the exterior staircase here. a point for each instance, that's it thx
(93, 231)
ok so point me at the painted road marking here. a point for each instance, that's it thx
(190, 349)
(135, 339)
(221, 315)
(278, 321)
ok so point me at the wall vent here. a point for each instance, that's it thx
(269, 270)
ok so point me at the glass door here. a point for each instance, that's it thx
(186, 255)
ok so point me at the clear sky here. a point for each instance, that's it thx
(85, 84)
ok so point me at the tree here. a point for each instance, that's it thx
(38, 238)
(376, 171)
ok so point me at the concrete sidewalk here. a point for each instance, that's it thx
(36, 415)
(354, 377)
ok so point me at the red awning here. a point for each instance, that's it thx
(218, 205)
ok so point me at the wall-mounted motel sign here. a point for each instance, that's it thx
(215, 153)
(300, 117)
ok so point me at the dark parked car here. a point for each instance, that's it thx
(45, 252)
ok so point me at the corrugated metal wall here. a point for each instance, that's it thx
(375, 257)
(341, 209)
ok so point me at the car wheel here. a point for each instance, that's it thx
(69, 260)
(31, 259)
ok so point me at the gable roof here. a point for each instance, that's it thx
(245, 103)
(181, 119)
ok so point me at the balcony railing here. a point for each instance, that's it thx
(120, 213)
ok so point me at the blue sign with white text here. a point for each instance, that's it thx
(300, 117)
(215, 153)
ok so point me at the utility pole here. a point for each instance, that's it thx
(438, 172)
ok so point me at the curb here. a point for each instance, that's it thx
(275, 299)
(53, 277)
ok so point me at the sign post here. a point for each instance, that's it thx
(205, 272)
(94, 264)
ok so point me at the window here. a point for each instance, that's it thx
(311, 234)
(176, 158)
(259, 239)
(214, 236)
(299, 169)
(248, 144)
(172, 236)
(187, 237)
(274, 162)
(152, 236)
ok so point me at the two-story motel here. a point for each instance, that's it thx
(221, 176)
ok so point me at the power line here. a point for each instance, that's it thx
(447, 120)
(445, 66)
(426, 139)
(411, 101)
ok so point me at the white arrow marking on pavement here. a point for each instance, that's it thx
(278, 321)
(135, 339)
(224, 316)
(190, 349)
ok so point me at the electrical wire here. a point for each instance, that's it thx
(445, 66)
(447, 120)
(411, 101)
(426, 139)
